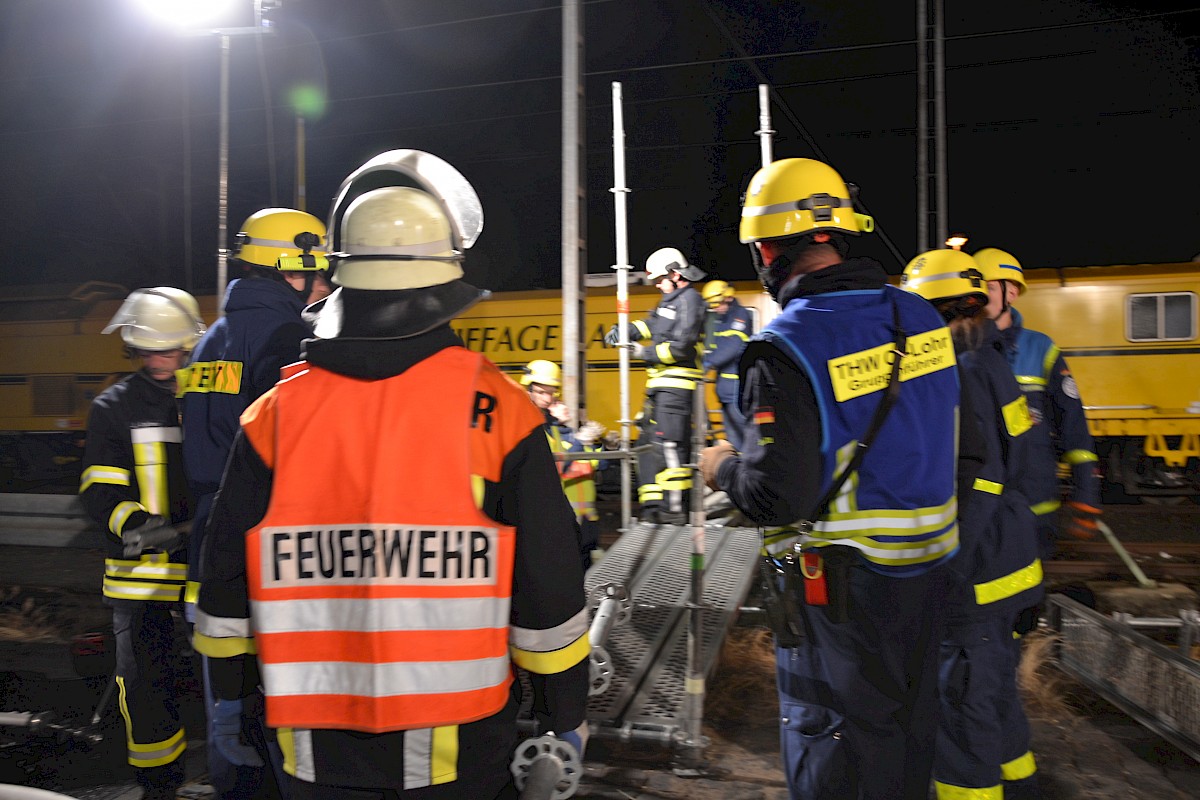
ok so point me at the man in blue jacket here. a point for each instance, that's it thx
(730, 327)
(280, 253)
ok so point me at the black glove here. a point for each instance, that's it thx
(154, 534)
(613, 336)
(1027, 620)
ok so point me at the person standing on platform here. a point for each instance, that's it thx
(1060, 428)
(133, 486)
(853, 472)
(384, 617)
(669, 342)
(730, 327)
(983, 735)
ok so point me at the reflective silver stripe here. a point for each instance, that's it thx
(791, 205)
(935, 548)
(912, 522)
(381, 614)
(142, 591)
(303, 747)
(99, 474)
(384, 680)
(150, 465)
(120, 515)
(440, 247)
(418, 756)
(146, 570)
(937, 276)
(157, 433)
(223, 627)
(548, 639)
(279, 243)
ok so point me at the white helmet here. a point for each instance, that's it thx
(406, 226)
(665, 260)
(162, 318)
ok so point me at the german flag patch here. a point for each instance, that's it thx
(764, 415)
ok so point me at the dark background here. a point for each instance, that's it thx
(1072, 125)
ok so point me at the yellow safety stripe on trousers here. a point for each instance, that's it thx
(990, 487)
(103, 474)
(674, 479)
(946, 791)
(663, 351)
(671, 383)
(1031, 380)
(649, 491)
(153, 754)
(1076, 457)
(1017, 418)
(430, 756)
(224, 647)
(554, 661)
(1049, 359)
(643, 329)
(1014, 583)
(1019, 768)
(120, 515)
(220, 377)
(150, 466)
(150, 567)
(1045, 507)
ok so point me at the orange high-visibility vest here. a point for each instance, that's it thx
(380, 592)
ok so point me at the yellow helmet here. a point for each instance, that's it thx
(944, 275)
(273, 234)
(716, 291)
(997, 265)
(158, 319)
(794, 195)
(543, 372)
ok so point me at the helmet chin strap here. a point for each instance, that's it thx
(772, 276)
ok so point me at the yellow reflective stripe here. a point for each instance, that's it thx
(663, 351)
(1045, 507)
(643, 329)
(142, 590)
(191, 592)
(1049, 359)
(649, 491)
(478, 487)
(551, 662)
(674, 478)
(120, 515)
(670, 383)
(883, 553)
(728, 375)
(150, 465)
(103, 474)
(1014, 583)
(1074, 457)
(991, 487)
(946, 791)
(221, 377)
(1019, 768)
(151, 566)
(287, 745)
(443, 767)
(226, 647)
(731, 332)
(1030, 380)
(156, 754)
(1017, 418)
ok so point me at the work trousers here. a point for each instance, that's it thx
(983, 734)
(150, 645)
(663, 478)
(858, 699)
(238, 781)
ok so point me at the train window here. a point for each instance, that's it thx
(53, 395)
(1168, 316)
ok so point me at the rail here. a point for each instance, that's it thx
(46, 520)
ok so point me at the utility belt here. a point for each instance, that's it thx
(814, 577)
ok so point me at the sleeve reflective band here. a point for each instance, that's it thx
(642, 328)
(1048, 361)
(120, 514)
(1041, 509)
(991, 487)
(663, 351)
(103, 474)
(1076, 457)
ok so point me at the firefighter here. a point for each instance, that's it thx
(280, 255)
(1060, 426)
(857, 668)
(730, 327)
(983, 735)
(387, 614)
(669, 341)
(133, 486)
(544, 380)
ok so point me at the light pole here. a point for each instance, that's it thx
(187, 16)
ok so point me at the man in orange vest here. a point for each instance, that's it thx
(403, 526)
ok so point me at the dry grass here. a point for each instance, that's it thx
(745, 676)
(46, 616)
(1043, 687)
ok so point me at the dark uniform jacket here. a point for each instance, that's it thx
(725, 340)
(671, 335)
(132, 468)
(547, 579)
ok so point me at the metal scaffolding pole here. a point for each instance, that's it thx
(574, 215)
(620, 191)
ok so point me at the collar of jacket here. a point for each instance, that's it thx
(674, 295)
(254, 293)
(849, 275)
(374, 359)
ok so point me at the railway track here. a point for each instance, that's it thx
(1161, 560)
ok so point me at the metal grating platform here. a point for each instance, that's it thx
(649, 651)
(1154, 684)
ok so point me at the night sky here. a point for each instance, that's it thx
(1072, 125)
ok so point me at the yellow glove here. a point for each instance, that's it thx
(710, 461)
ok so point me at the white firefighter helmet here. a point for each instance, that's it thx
(665, 260)
(157, 319)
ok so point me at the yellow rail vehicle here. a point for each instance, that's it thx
(1130, 337)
